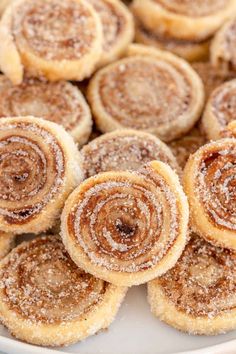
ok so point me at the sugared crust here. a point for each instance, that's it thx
(160, 19)
(6, 243)
(118, 28)
(21, 55)
(189, 50)
(59, 102)
(202, 279)
(220, 110)
(133, 248)
(124, 149)
(209, 177)
(223, 54)
(134, 108)
(62, 332)
(34, 206)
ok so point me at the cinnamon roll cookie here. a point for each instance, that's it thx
(190, 50)
(118, 28)
(223, 52)
(45, 299)
(39, 167)
(124, 150)
(50, 38)
(220, 110)
(190, 20)
(149, 90)
(127, 227)
(6, 243)
(198, 295)
(59, 102)
(209, 182)
(182, 148)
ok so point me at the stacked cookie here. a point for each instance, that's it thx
(145, 197)
(182, 27)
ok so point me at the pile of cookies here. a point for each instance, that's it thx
(119, 157)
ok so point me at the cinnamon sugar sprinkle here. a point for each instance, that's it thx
(59, 102)
(223, 103)
(141, 92)
(41, 283)
(120, 224)
(124, 152)
(54, 29)
(26, 163)
(215, 183)
(203, 282)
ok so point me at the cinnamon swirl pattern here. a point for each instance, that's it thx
(223, 52)
(220, 110)
(118, 28)
(130, 94)
(198, 295)
(127, 227)
(209, 182)
(182, 148)
(184, 19)
(50, 38)
(124, 150)
(6, 243)
(59, 102)
(189, 50)
(46, 299)
(39, 167)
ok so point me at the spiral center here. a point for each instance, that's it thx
(126, 228)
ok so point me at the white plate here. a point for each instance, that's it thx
(135, 331)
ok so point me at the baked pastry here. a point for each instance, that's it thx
(6, 243)
(145, 232)
(45, 299)
(190, 50)
(197, 295)
(209, 182)
(130, 94)
(124, 149)
(220, 110)
(60, 102)
(184, 19)
(39, 167)
(118, 28)
(211, 76)
(182, 148)
(230, 131)
(223, 53)
(51, 38)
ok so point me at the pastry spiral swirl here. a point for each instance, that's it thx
(198, 294)
(51, 38)
(184, 19)
(230, 131)
(124, 149)
(127, 227)
(39, 167)
(209, 182)
(59, 102)
(46, 299)
(220, 110)
(130, 94)
(118, 28)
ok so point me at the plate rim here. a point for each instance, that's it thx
(9, 344)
